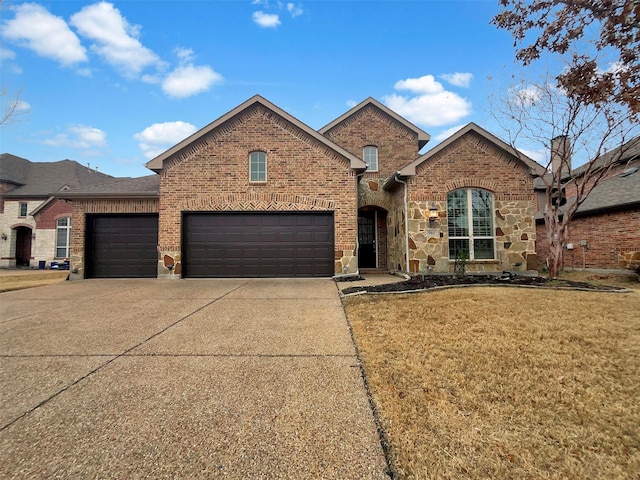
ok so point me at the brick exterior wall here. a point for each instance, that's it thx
(607, 234)
(82, 207)
(303, 174)
(472, 162)
(397, 146)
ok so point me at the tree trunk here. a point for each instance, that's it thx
(555, 235)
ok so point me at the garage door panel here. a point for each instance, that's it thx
(121, 246)
(258, 244)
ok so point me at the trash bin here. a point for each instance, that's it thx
(42, 264)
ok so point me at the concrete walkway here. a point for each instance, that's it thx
(182, 379)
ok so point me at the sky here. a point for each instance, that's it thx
(112, 84)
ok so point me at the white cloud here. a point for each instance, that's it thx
(458, 79)
(35, 28)
(159, 137)
(294, 10)
(115, 39)
(526, 96)
(82, 137)
(266, 20)
(6, 54)
(188, 80)
(430, 105)
(351, 103)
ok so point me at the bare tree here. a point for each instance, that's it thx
(600, 38)
(11, 110)
(543, 116)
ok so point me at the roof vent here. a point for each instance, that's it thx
(628, 171)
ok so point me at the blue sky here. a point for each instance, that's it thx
(115, 83)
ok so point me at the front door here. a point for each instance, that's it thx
(367, 239)
(23, 246)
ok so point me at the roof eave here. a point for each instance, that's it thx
(107, 196)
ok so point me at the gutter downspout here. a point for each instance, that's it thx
(406, 220)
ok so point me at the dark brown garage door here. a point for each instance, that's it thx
(121, 246)
(258, 244)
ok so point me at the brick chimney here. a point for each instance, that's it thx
(560, 155)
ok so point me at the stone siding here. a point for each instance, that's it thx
(472, 162)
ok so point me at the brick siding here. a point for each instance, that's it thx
(213, 175)
(607, 235)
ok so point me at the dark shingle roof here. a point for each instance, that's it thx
(148, 186)
(617, 192)
(40, 179)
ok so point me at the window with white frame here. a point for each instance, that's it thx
(63, 237)
(470, 224)
(370, 157)
(23, 209)
(257, 167)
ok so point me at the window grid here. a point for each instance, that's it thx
(258, 167)
(370, 156)
(23, 209)
(63, 237)
(470, 236)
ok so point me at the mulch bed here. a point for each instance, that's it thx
(425, 282)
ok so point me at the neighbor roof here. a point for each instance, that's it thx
(157, 163)
(534, 168)
(140, 187)
(41, 179)
(616, 192)
(423, 137)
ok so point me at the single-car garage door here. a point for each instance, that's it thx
(258, 244)
(120, 246)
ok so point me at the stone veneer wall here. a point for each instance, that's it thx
(212, 174)
(78, 221)
(472, 162)
(514, 239)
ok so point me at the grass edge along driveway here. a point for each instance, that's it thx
(504, 383)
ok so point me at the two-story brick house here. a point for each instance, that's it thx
(35, 226)
(259, 193)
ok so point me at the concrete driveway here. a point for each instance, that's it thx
(182, 379)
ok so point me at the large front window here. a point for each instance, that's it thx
(470, 224)
(63, 237)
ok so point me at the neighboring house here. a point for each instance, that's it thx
(34, 225)
(259, 193)
(607, 224)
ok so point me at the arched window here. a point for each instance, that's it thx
(470, 224)
(257, 167)
(63, 237)
(370, 157)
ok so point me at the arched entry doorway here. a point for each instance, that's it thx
(372, 238)
(23, 246)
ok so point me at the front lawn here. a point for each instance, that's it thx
(504, 382)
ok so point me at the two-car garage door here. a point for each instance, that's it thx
(258, 244)
(225, 244)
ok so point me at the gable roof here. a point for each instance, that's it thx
(423, 137)
(534, 167)
(40, 179)
(156, 164)
(127, 187)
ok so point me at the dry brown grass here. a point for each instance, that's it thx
(504, 382)
(15, 281)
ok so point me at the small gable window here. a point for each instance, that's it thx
(23, 209)
(370, 157)
(63, 237)
(257, 167)
(470, 224)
